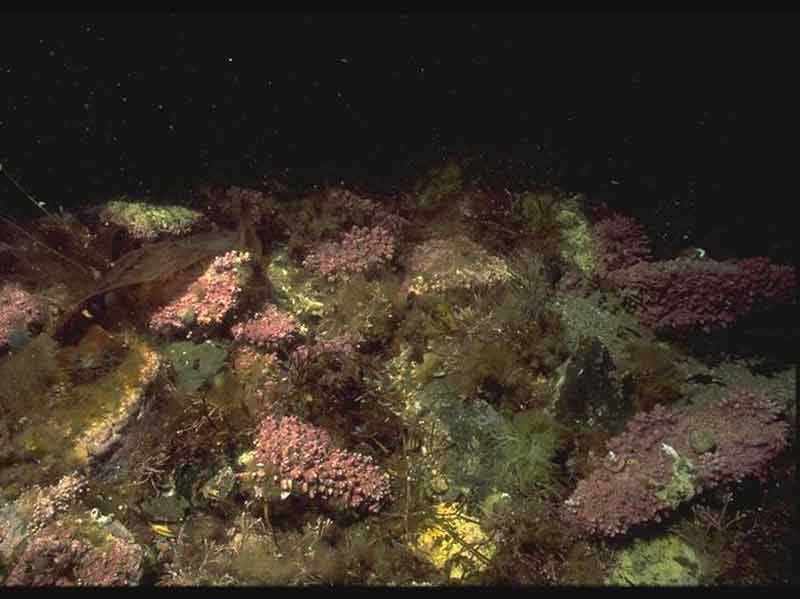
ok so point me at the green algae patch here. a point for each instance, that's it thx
(577, 246)
(684, 482)
(292, 291)
(195, 364)
(663, 561)
(440, 183)
(149, 222)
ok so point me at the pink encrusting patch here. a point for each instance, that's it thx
(203, 297)
(665, 458)
(308, 463)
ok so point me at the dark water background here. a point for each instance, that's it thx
(675, 117)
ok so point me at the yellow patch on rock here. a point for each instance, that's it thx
(454, 543)
(116, 397)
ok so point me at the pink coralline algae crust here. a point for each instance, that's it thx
(657, 463)
(47, 503)
(259, 372)
(620, 242)
(18, 311)
(258, 207)
(266, 329)
(749, 430)
(202, 297)
(58, 556)
(366, 210)
(116, 563)
(246, 358)
(704, 294)
(307, 463)
(359, 249)
(343, 344)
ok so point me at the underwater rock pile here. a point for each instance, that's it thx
(350, 364)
